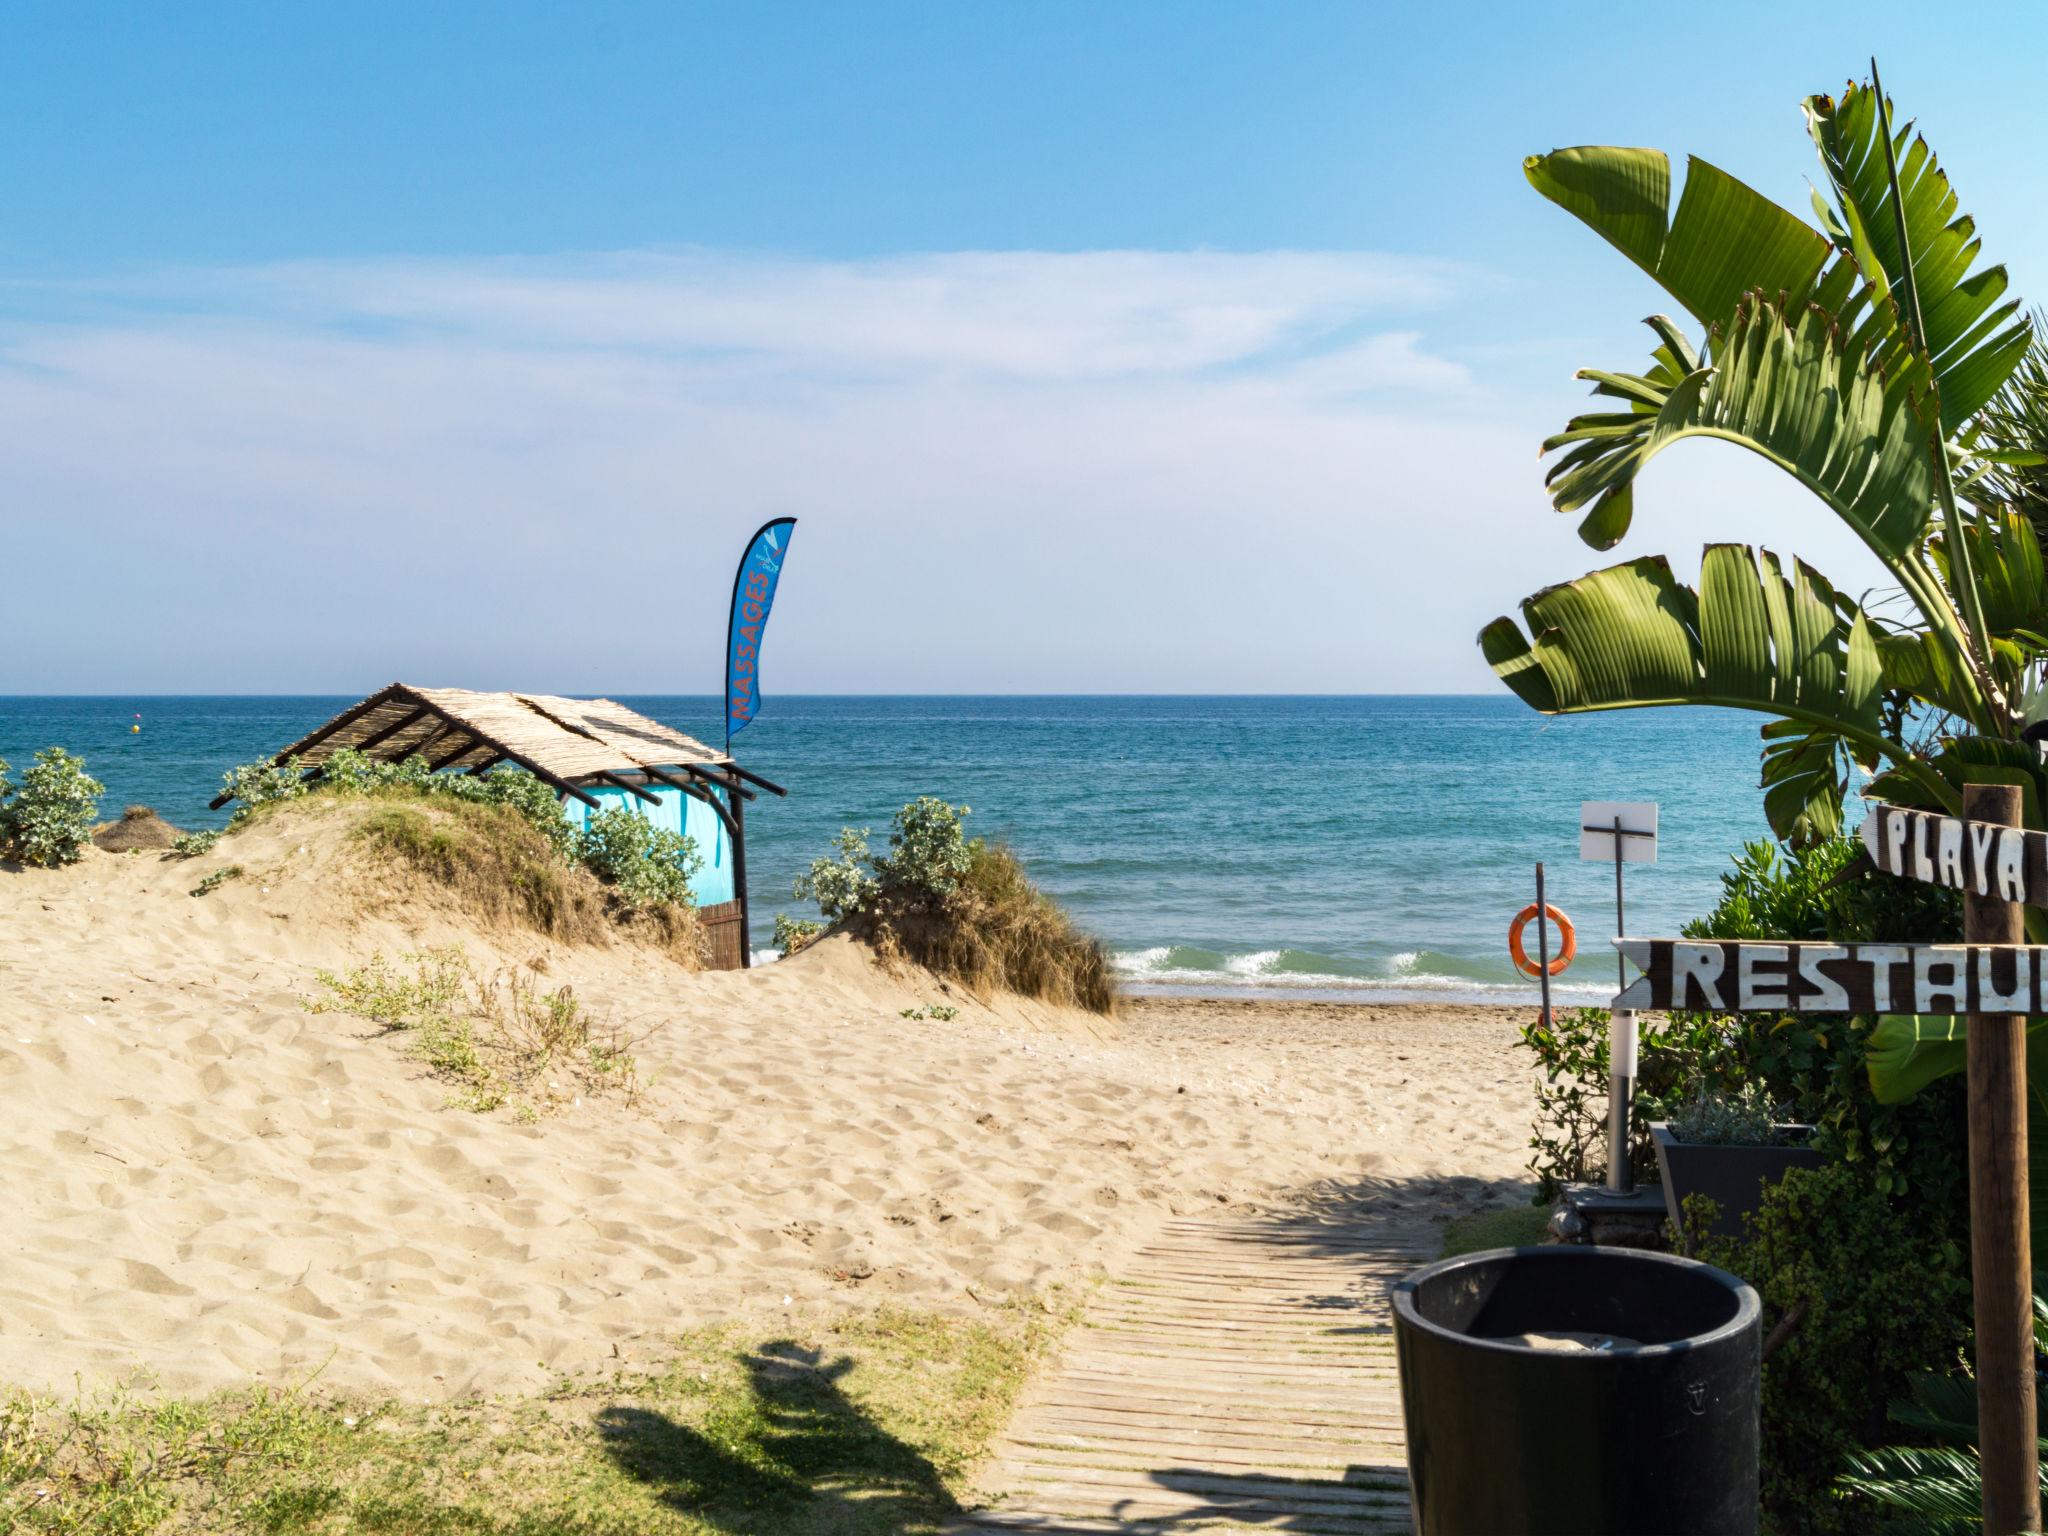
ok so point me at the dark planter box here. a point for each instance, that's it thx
(1655, 1432)
(1732, 1177)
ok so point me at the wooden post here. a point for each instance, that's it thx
(2000, 1259)
(739, 883)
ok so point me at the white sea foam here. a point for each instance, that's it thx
(1150, 969)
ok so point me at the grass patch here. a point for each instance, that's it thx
(496, 1040)
(217, 879)
(857, 1429)
(1515, 1226)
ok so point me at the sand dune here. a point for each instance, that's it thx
(209, 1182)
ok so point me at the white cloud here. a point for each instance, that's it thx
(1111, 470)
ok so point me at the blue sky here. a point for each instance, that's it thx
(1188, 347)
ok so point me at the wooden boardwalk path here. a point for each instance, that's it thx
(1240, 1375)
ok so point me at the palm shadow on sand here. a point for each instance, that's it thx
(806, 1458)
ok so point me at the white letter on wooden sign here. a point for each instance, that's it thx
(2020, 999)
(1981, 834)
(1950, 858)
(1923, 860)
(1826, 994)
(2012, 865)
(1881, 958)
(1895, 841)
(1701, 965)
(1947, 959)
(1757, 987)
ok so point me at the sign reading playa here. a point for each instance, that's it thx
(1979, 858)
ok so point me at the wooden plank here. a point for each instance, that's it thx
(1731, 975)
(1963, 853)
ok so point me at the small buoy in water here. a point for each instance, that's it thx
(136, 728)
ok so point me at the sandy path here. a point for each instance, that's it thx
(206, 1181)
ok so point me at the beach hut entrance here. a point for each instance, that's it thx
(594, 753)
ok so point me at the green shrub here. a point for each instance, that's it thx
(793, 933)
(49, 820)
(1817, 1064)
(650, 866)
(957, 906)
(1569, 1142)
(255, 785)
(193, 844)
(844, 883)
(928, 853)
(1744, 1117)
(1872, 1289)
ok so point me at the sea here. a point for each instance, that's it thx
(1367, 847)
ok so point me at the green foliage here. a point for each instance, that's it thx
(194, 844)
(928, 853)
(650, 866)
(862, 1426)
(49, 820)
(928, 857)
(1938, 1486)
(217, 879)
(1817, 1066)
(843, 883)
(1742, 1117)
(1569, 1142)
(1878, 1288)
(1873, 361)
(495, 1041)
(793, 933)
(962, 907)
(939, 1012)
(255, 785)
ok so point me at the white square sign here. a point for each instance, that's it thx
(1638, 820)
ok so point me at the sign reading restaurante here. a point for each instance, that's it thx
(1733, 975)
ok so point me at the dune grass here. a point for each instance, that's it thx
(999, 932)
(500, 1040)
(857, 1428)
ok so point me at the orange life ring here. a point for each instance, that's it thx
(1568, 941)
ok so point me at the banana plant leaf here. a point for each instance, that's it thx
(1975, 336)
(1788, 387)
(1725, 239)
(1752, 637)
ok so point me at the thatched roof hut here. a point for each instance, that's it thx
(591, 751)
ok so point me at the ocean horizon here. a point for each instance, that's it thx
(1362, 847)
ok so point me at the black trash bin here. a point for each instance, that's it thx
(1579, 1390)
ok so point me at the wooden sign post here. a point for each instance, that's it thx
(2001, 1261)
(1995, 979)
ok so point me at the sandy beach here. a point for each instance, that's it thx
(209, 1183)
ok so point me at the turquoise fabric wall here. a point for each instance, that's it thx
(677, 812)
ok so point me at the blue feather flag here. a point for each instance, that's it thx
(753, 594)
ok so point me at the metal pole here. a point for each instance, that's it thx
(1621, 1055)
(1620, 922)
(1543, 944)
